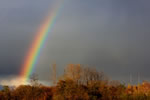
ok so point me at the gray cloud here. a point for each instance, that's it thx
(109, 34)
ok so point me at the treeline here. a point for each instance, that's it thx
(78, 83)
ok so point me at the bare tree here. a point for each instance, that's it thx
(73, 71)
(83, 75)
(91, 75)
(34, 79)
(54, 77)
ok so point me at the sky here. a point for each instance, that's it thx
(109, 35)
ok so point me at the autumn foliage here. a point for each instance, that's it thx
(78, 83)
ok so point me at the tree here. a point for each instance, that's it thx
(69, 90)
(34, 80)
(54, 77)
(73, 71)
(91, 75)
(83, 75)
(6, 93)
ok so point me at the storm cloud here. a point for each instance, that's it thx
(110, 35)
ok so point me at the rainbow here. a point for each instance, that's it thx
(38, 42)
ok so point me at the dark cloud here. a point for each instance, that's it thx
(109, 34)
